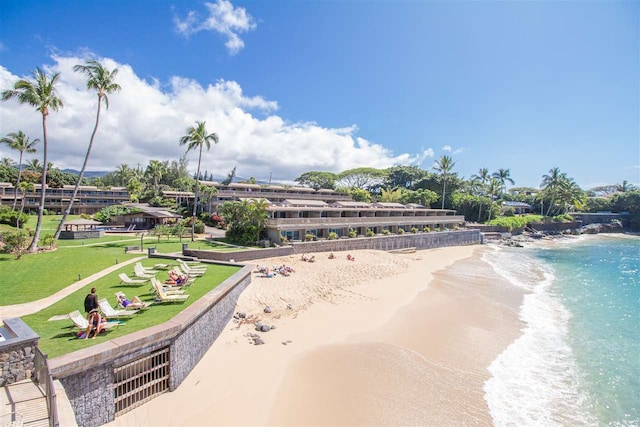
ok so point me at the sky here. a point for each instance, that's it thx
(291, 86)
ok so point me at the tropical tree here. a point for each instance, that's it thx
(40, 93)
(503, 175)
(24, 188)
(197, 138)
(155, 170)
(122, 174)
(570, 194)
(393, 195)
(494, 187)
(245, 220)
(317, 180)
(6, 162)
(481, 179)
(550, 185)
(20, 142)
(102, 81)
(444, 167)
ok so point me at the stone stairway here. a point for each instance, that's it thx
(27, 401)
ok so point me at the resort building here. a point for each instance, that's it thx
(298, 212)
(89, 199)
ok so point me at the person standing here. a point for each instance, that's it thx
(91, 301)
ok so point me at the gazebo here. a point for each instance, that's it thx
(81, 229)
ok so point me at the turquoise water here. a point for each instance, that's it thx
(578, 359)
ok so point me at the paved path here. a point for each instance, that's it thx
(17, 310)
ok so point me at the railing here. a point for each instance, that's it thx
(44, 378)
(282, 195)
(355, 221)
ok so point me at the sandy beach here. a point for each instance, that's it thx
(387, 339)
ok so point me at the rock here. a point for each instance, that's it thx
(273, 326)
(265, 328)
(258, 325)
(289, 307)
(267, 309)
(284, 343)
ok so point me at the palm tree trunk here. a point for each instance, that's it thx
(195, 199)
(15, 193)
(444, 189)
(33, 247)
(84, 168)
(480, 210)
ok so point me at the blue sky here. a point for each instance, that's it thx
(293, 86)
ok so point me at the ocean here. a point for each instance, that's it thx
(577, 361)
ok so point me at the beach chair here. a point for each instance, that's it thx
(161, 266)
(126, 280)
(140, 273)
(111, 313)
(187, 282)
(81, 323)
(192, 272)
(155, 282)
(146, 270)
(162, 297)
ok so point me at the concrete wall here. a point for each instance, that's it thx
(383, 243)
(88, 375)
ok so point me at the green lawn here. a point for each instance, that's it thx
(57, 337)
(37, 276)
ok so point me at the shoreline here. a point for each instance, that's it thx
(427, 324)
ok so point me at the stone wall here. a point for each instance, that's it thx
(86, 234)
(383, 243)
(88, 375)
(17, 352)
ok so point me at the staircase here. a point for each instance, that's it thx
(23, 404)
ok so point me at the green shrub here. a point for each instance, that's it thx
(370, 233)
(414, 230)
(332, 236)
(563, 218)
(512, 223)
(15, 242)
(426, 229)
(309, 237)
(509, 211)
(352, 233)
(386, 232)
(9, 216)
(400, 230)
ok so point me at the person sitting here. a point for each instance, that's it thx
(312, 259)
(350, 258)
(175, 279)
(130, 303)
(95, 323)
(304, 257)
(331, 255)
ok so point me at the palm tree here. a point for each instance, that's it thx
(444, 166)
(123, 173)
(24, 188)
(482, 179)
(102, 80)
(570, 194)
(40, 93)
(34, 165)
(197, 137)
(20, 142)
(493, 189)
(156, 171)
(551, 184)
(503, 176)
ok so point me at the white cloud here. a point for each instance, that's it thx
(147, 118)
(446, 148)
(223, 18)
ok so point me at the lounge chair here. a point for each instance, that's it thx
(81, 323)
(193, 267)
(146, 270)
(126, 280)
(162, 297)
(184, 269)
(155, 282)
(111, 313)
(140, 273)
(161, 266)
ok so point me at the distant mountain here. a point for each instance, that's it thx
(87, 174)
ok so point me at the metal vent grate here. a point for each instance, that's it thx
(141, 380)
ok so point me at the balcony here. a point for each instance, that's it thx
(363, 221)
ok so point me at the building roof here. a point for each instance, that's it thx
(388, 205)
(303, 203)
(518, 205)
(82, 221)
(346, 204)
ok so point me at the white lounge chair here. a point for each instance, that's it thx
(111, 313)
(126, 280)
(82, 324)
(162, 297)
(133, 306)
(140, 273)
(147, 270)
(155, 282)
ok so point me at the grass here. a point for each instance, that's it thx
(58, 337)
(37, 276)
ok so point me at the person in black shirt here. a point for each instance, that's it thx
(91, 301)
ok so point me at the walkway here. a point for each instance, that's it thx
(27, 402)
(18, 310)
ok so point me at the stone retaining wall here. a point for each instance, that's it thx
(88, 375)
(17, 352)
(383, 243)
(86, 234)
